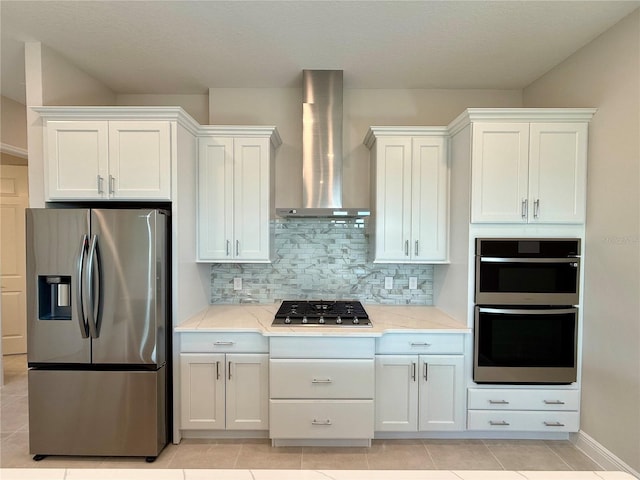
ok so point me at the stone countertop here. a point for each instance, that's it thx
(385, 319)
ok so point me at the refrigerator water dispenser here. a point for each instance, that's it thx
(54, 297)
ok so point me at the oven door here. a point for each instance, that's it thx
(525, 345)
(527, 281)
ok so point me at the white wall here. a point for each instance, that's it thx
(606, 74)
(362, 109)
(13, 123)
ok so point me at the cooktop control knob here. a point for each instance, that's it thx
(321, 320)
(338, 320)
(304, 320)
(356, 321)
(287, 320)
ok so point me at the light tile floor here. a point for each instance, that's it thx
(232, 459)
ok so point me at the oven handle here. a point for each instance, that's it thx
(523, 311)
(529, 260)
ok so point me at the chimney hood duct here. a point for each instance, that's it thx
(322, 148)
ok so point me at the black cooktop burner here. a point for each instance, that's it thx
(332, 313)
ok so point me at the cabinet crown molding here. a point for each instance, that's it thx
(525, 115)
(242, 131)
(402, 131)
(119, 113)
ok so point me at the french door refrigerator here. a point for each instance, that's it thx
(98, 331)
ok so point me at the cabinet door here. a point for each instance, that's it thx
(215, 198)
(247, 391)
(251, 199)
(77, 160)
(441, 392)
(499, 173)
(430, 199)
(393, 198)
(139, 160)
(396, 400)
(202, 391)
(557, 172)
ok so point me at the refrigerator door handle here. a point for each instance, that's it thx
(94, 301)
(79, 303)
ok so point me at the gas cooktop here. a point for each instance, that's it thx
(322, 313)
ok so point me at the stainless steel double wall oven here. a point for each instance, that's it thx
(526, 310)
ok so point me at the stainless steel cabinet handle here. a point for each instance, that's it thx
(321, 380)
(536, 208)
(237, 247)
(217, 370)
(416, 248)
(426, 371)
(406, 248)
(321, 422)
(553, 424)
(498, 423)
(413, 371)
(228, 248)
(79, 283)
(112, 181)
(553, 402)
(229, 370)
(420, 344)
(223, 343)
(100, 181)
(525, 207)
(498, 402)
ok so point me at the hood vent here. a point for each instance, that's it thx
(322, 148)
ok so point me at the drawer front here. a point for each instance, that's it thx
(330, 378)
(321, 419)
(421, 343)
(206, 342)
(523, 421)
(523, 399)
(322, 347)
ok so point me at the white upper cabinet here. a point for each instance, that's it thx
(527, 165)
(410, 194)
(236, 195)
(110, 153)
(102, 160)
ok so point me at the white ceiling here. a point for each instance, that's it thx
(187, 46)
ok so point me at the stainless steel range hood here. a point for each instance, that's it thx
(322, 148)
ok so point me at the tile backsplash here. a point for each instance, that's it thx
(321, 259)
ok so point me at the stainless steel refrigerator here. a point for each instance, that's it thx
(98, 332)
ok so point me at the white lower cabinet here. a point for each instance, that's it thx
(321, 393)
(419, 393)
(524, 409)
(224, 391)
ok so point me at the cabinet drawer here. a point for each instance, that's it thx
(329, 378)
(523, 421)
(322, 347)
(421, 343)
(523, 399)
(206, 342)
(321, 419)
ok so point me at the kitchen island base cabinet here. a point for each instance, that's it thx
(224, 391)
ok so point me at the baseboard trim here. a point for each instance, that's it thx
(599, 454)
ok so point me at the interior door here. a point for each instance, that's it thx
(129, 297)
(13, 202)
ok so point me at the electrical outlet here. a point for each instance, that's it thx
(388, 283)
(413, 283)
(237, 283)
